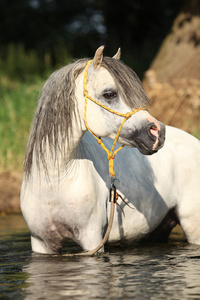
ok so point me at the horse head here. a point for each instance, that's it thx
(115, 90)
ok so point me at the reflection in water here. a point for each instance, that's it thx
(148, 271)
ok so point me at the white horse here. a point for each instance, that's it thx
(66, 182)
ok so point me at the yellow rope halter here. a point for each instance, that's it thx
(126, 116)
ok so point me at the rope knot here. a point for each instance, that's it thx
(99, 141)
(85, 92)
(128, 115)
(111, 156)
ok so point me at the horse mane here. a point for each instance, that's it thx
(52, 123)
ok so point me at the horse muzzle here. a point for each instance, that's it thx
(149, 138)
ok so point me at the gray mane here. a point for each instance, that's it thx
(52, 123)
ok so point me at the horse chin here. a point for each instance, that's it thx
(144, 149)
(147, 151)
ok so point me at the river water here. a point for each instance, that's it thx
(141, 271)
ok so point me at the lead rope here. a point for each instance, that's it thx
(110, 156)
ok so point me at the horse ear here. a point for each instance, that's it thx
(98, 57)
(118, 54)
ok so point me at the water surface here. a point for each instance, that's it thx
(147, 271)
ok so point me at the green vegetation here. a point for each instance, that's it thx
(18, 102)
(21, 77)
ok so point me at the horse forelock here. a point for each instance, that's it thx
(52, 123)
(128, 83)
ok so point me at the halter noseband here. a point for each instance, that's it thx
(126, 116)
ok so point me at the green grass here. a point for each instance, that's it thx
(20, 85)
(17, 105)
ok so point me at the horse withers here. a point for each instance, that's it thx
(65, 188)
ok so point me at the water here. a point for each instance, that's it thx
(148, 271)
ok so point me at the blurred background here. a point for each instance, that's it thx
(159, 39)
(36, 35)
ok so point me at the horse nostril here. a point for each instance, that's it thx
(153, 130)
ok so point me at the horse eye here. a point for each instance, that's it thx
(109, 95)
